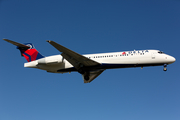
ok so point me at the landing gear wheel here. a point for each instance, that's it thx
(165, 69)
(86, 77)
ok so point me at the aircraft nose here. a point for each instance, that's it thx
(171, 59)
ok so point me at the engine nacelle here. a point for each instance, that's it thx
(51, 60)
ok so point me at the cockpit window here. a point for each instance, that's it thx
(161, 52)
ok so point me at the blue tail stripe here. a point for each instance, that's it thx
(28, 56)
(39, 56)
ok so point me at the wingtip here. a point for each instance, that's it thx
(5, 39)
(48, 41)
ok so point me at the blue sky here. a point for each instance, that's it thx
(90, 27)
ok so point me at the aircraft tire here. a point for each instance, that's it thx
(86, 77)
(165, 69)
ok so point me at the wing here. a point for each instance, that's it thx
(77, 60)
(92, 75)
(81, 63)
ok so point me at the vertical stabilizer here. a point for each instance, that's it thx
(27, 50)
(31, 53)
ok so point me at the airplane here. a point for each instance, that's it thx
(90, 66)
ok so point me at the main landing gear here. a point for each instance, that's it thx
(84, 73)
(86, 77)
(165, 69)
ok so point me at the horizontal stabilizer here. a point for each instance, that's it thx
(17, 44)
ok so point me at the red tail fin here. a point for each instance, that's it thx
(30, 54)
(27, 50)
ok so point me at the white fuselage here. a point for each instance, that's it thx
(138, 58)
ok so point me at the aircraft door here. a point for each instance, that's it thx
(153, 56)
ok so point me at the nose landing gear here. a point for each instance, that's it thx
(165, 69)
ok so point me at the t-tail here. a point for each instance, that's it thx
(27, 50)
